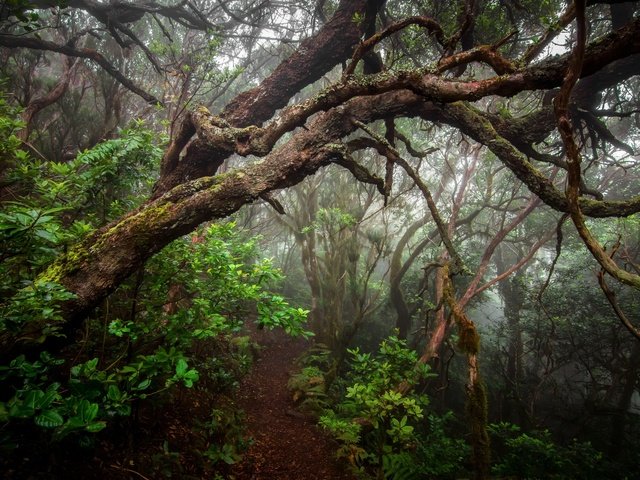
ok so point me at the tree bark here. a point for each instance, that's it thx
(40, 103)
(317, 55)
(96, 266)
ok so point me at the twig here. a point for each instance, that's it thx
(386, 149)
(611, 296)
(118, 467)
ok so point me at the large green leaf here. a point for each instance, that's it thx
(181, 367)
(96, 426)
(33, 398)
(87, 411)
(143, 385)
(49, 419)
(113, 393)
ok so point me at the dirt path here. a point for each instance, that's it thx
(287, 446)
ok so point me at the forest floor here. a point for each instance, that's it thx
(286, 444)
(164, 442)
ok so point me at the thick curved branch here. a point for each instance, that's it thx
(96, 266)
(258, 141)
(480, 129)
(313, 58)
(435, 88)
(574, 158)
(257, 105)
(428, 23)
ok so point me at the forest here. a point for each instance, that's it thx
(337, 239)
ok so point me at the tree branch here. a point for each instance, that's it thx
(428, 23)
(611, 297)
(380, 144)
(69, 50)
(561, 104)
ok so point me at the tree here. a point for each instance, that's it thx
(187, 195)
(341, 245)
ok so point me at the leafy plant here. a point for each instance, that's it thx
(224, 436)
(168, 329)
(375, 418)
(535, 455)
(308, 388)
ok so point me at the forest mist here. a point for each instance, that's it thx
(433, 204)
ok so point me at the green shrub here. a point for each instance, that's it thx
(166, 329)
(535, 455)
(382, 430)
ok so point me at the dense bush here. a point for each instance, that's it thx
(381, 420)
(173, 326)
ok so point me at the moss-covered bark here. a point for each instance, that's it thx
(96, 266)
(469, 343)
(315, 56)
(477, 414)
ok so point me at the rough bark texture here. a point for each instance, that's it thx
(317, 55)
(95, 267)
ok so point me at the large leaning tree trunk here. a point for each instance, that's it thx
(189, 193)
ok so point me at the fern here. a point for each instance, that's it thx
(309, 390)
(400, 466)
(111, 177)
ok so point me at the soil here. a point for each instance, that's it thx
(286, 444)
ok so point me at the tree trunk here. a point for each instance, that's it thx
(40, 103)
(618, 420)
(96, 266)
(513, 296)
(396, 273)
